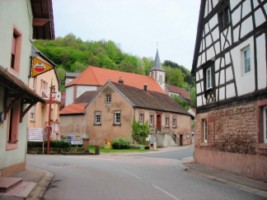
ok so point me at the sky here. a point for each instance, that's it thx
(138, 27)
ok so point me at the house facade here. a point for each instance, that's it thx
(43, 76)
(111, 111)
(231, 72)
(16, 98)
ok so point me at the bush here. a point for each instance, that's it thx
(53, 144)
(140, 132)
(120, 143)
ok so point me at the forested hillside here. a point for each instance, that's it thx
(71, 54)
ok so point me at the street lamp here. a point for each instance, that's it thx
(52, 89)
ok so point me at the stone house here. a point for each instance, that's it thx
(32, 19)
(112, 110)
(231, 72)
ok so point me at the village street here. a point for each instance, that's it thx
(157, 175)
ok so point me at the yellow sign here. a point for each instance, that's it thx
(39, 67)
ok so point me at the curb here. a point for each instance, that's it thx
(240, 186)
(41, 187)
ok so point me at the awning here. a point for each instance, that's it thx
(16, 91)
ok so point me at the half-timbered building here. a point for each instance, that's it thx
(231, 80)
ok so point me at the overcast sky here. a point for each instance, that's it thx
(138, 27)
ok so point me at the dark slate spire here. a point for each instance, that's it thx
(157, 65)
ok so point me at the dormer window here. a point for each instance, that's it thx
(108, 98)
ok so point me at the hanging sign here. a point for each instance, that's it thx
(39, 67)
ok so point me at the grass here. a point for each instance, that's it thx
(106, 150)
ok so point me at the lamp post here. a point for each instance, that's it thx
(52, 88)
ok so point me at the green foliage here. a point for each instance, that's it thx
(193, 97)
(53, 144)
(182, 102)
(71, 54)
(120, 143)
(140, 132)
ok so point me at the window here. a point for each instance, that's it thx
(32, 114)
(141, 118)
(167, 121)
(151, 120)
(224, 16)
(117, 118)
(265, 124)
(246, 60)
(15, 51)
(204, 131)
(13, 118)
(174, 122)
(97, 118)
(208, 78)
(108, 98)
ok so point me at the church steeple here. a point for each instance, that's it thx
(157, 72)
(157, 64)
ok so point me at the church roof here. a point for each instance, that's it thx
(157, 65)
(95, 76)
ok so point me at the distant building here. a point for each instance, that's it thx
(110, 112)
(20, 22)
(231, 72)
(94, 78)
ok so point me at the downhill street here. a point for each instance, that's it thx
(156, 175)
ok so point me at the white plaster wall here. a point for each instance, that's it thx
(233, 3)
(230, 90)
(229, 74)
(199, 101)
(259, 16)
(236, 16)
(261, 61)
(246, 27)
(82, 89)
(245, 82)
(246, 8)
(69, 95)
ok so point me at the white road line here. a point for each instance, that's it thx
(165, 192)
(127, 172)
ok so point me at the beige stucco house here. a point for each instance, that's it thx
(110, 112)
(43, 76)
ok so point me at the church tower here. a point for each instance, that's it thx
(158, 73)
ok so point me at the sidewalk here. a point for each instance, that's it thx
(39, 178)
(243, 183)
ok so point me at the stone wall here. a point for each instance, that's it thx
(231, 129)
(234, 140)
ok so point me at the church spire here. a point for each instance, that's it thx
(157, 72)
(157, 65)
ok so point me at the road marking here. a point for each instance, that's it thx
(127, 172)
(165, 192)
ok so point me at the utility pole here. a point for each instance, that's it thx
(52, 88)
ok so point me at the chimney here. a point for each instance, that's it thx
(145, 87)
(120, 80)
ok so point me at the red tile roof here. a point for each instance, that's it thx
(179, 90)
(73, 109)
(96, 76)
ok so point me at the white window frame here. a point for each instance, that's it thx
(264, 110)
(97, 118)
(117, 117)
(208, 78)
(167, 121)
(151, 120)
(32, 113)
(108, 98)
(174, 122)
(141, 118)
(205, 130)
(246, 60)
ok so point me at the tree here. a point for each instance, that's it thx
(140, 132)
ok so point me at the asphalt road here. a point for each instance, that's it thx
(129, 177)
